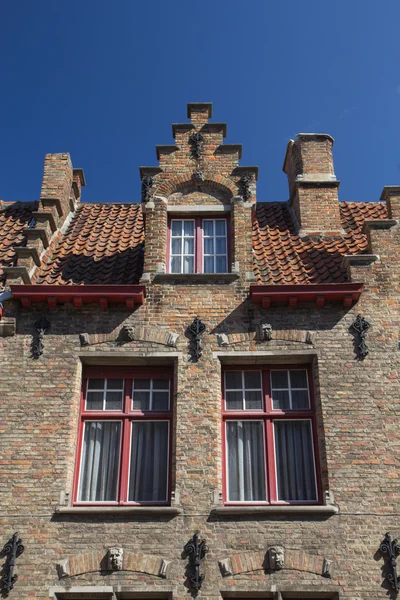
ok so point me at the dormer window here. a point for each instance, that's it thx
(198, 245)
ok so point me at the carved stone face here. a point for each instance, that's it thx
(276, 557)
(266, 332)
(115, 557)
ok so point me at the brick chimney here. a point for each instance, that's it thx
(313, 186)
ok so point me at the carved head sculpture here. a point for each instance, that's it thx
(276, 556)
(266, 332)
(115, 558)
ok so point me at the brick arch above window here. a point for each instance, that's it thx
(211, 181)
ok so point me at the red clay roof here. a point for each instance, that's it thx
(104, 244)
(283, 257)
(14, 218)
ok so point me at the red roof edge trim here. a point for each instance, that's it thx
(130, 295)
(292, 295)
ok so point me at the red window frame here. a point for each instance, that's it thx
(127, 415)
(268, 415)
(198, 240)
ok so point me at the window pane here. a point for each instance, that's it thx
(176, 246)
(279, 379)
(298, 379)
(141, 401)
(253, 400)
(280, 400)
(208, 228)
(149, 462)
(115, 384)
(96, 384)
(188, 228)
(141, 384)
(233, 380)
(220, 245)
(176, 227)
(100, 461)
(94, 400)
(188, 246)
(208, 264)
(300, 399)
(114, 400)
(221, 264)
(245, 455)
(234, 400)
(160, 384)
(160, 400)
(220, 227)
(209, 246)
(188, 264)
(175, 264)
(294, 461)
(252, 380)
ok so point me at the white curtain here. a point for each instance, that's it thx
(100, 461)
(246, 471)
(149, 461)
(294, 461)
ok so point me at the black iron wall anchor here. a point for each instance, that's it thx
(42, 325)
(244, 185)
(197, 328)
(391, 549)
(196, 549)
(195, 141)
(12, 549)
(361, 327)
(147, 184)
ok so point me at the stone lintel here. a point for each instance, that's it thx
(378, 224)
(166, 149)
(389, 191)
(7, 326)
(151, 171)
(239, 171)
(204, 208)
(81, 175)
(16, 273)
(230, 149)
(359, 260)
(195, 106)
(318, 137)
(27, 252)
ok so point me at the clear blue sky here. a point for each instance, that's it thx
(104, 80)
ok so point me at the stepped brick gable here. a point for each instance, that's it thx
(199, 389)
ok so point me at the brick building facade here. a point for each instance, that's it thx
(195, 363)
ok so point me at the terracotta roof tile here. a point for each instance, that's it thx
(14, 218)
(282, 256)
(103, 245)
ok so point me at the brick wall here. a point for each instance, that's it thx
(356, 402)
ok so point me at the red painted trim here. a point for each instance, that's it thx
(126, 416)
(347, 293)
(269, 415)
(79, 294)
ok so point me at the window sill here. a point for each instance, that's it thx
(196, 277)
(119, 510)
(276, 510)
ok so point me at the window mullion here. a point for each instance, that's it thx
(125, 460)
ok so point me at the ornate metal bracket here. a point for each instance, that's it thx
(147, 184)
(391, 549)
(244, 185)
(196, 550)
(195, 141)
(361, 327)
(196, 329)
(42, 325)
(12, 549)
